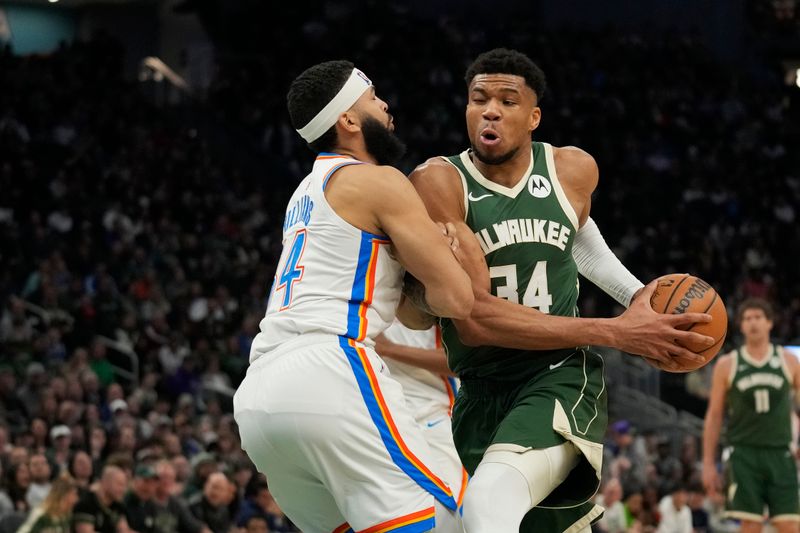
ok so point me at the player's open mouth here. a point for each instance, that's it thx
(489, 137)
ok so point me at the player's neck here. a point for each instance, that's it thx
(358, 153)
(507, 174)
(757, 348)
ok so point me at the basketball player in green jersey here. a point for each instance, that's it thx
(530, 416)
(755, 384)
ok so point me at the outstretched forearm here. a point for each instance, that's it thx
(712, 426)
(498, 322)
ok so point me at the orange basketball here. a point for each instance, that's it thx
(683, 293)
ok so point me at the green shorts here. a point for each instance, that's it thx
(566, 401)
(571, 520)
(759, 478)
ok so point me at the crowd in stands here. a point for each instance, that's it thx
(125, 230)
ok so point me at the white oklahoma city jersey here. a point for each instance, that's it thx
(427, 394)
(332, 278)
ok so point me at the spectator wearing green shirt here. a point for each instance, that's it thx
(100, 365)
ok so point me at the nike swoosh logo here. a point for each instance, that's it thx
(478, 198)
(435, 422)
(553, 367)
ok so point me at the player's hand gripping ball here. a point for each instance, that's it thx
(683, 293)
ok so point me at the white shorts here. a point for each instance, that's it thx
(438, 433)
(330, 429)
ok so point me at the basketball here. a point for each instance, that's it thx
(682, 293)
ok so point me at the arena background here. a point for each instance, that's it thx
(146, 157)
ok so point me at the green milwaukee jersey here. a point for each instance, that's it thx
(526, 233)
(759, 400)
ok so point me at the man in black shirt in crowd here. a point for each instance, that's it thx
(101, 510)
(172, 514)
(211, 507)
(140, 508)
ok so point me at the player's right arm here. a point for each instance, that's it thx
(379, 199)
(712, 425)
(431, 359)
(498, 322)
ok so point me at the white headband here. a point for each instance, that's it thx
(344, 100)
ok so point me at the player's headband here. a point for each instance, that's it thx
(352, 90)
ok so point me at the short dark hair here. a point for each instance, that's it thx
(755, 303)
(505, 61)
(311, 91)
(255, 487)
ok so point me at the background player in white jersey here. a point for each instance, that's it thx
(318, 413)
(417, 360)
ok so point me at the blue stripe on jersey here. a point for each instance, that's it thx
(417, 527)
(392, 446)
(359, 286)
(453, 385)
(360, 283)
(335, 168)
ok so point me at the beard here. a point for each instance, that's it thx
(381, 143)
(496, 160)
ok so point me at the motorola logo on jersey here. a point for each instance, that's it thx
(539, 186)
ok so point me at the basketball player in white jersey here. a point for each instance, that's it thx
(318, 412)
(416, 359)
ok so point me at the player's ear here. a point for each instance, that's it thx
(536, 117)
(349, 121)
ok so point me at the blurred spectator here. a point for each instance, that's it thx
(100, 364)
(614, 518)
(173, 515)
(623, 457)
(40, 480)
(59, 453)
(101, 510)
(212, 506)
(203, 465)
(255, 524)
(54, 514)
(18, 481)
(260, 503)
(632, 509)
(81, 470)
(139, 504)
(676, 517)
(700, 515)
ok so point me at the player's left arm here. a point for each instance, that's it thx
(579, 175)
(433, 360)
(793, 366)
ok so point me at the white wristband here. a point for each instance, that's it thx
(597, 263)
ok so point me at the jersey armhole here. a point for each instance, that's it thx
(560, 194)
(334, 215)
(464, 188)
(734, 367)
(784, 365)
